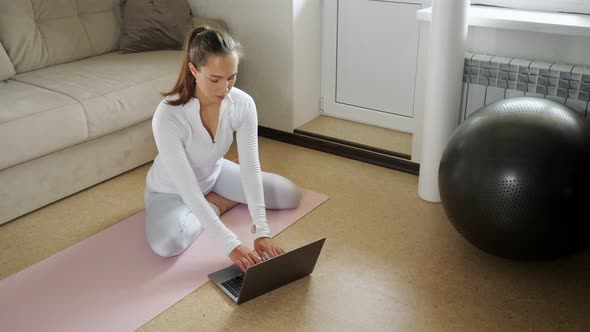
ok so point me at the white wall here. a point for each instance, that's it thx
(529, 45)
(265, 30)
(307, 17)
(281, 70)
(509, 43)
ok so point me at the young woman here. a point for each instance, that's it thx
(190, 184)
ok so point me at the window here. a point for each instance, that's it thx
(567, 6)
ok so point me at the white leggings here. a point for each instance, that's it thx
(171, 227)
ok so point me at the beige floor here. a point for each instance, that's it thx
(391, 262)
(360, 133)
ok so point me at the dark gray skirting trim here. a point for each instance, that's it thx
(343, 150)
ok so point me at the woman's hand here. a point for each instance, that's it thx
(265, 245)
(243, 257)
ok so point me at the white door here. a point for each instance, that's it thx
(370, 51)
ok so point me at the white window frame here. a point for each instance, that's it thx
(568, 6)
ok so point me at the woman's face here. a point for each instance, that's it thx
(215, 79)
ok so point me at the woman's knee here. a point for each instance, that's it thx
(172, 237)
(292, 196)
(281, 193)
(168, 246)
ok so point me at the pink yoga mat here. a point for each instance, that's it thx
(112, 281)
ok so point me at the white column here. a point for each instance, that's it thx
(448, 33)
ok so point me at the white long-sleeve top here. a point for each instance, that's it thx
(189, 161)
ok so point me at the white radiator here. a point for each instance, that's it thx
(490, 78)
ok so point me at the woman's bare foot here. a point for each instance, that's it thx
(222, 203)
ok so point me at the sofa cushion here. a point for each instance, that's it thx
(6, 68)
(150, 25)
(116, 90)
(35, 122)
(41, 33)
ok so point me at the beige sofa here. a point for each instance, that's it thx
(73, 110)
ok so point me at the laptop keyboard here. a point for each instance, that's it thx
(234, 285)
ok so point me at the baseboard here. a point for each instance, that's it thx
(354, 144)
(341, 149)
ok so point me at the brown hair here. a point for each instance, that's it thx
(198, 45)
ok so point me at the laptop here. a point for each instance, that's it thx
(269, 274)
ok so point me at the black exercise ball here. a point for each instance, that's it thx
(514, 179)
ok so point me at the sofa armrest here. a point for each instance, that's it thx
(212, 22)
